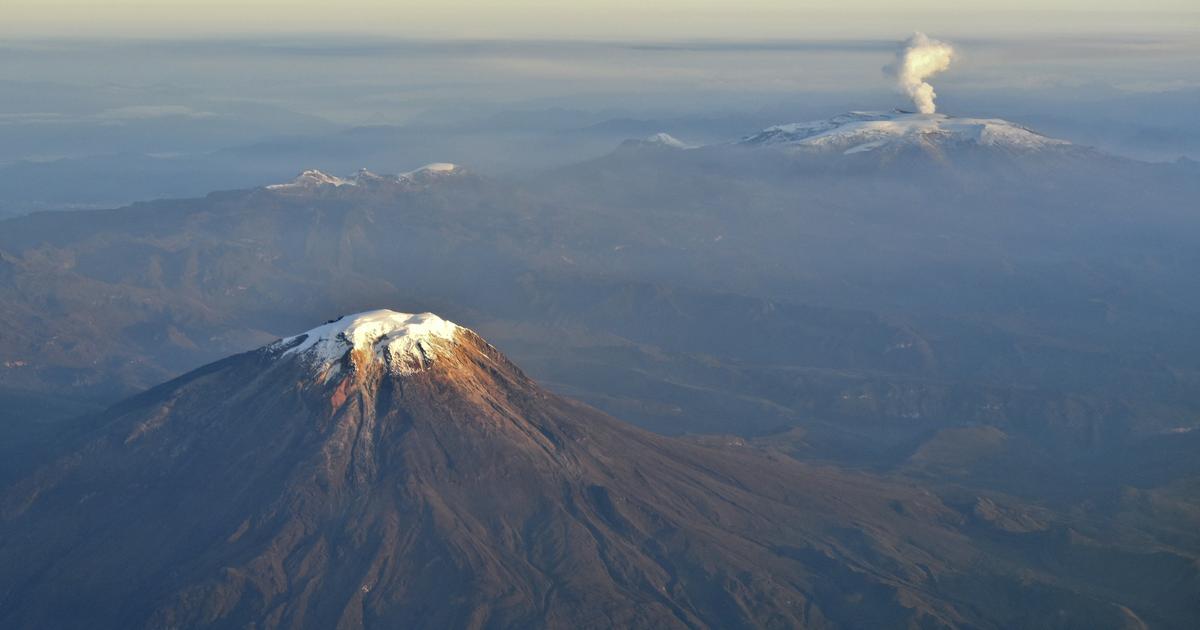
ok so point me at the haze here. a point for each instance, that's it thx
(570, 315)
(623, 19)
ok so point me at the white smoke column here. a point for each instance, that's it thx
(920, 59)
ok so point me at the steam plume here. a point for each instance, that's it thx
(919, 59)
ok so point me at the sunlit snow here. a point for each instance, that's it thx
(402, 341)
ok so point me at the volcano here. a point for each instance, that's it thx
(395, 470)
(858, 132)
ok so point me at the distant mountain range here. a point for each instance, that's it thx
(1033, 276)
(885, 132)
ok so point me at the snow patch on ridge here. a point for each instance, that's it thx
(405, 343)
(437, 168)
(667, 140)
(658, 141)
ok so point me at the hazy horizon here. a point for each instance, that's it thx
(590, 19)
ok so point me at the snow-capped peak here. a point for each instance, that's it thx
(667, 140)
(363, 175)
(311, 178)
(661, 140)
(435, 169)
(857, 132)
(403, 343)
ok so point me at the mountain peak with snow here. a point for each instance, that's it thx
(312, 179)
(309, 179)
(661, 140)
(857, 132)
(403, 343)
(363, 176)
(665, 139)
(432, 171)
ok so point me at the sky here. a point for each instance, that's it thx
(589, 19)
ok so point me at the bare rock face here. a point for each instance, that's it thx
(390, 470)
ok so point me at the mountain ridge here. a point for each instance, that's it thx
(313, 179)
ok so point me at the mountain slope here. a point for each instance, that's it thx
(392, 470)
